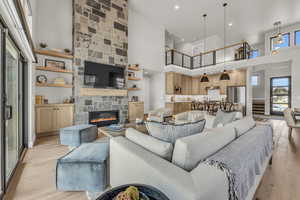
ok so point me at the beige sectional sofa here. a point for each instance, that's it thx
(179, 169)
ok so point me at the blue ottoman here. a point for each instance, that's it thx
(84, 168)
(76, 135)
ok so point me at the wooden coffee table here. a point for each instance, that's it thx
(104, 131)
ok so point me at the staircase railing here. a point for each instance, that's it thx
(238, 51)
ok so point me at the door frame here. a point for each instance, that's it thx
(271, 93)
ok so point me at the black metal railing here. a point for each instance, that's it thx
(239, 51)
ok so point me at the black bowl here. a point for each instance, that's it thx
(151, 192)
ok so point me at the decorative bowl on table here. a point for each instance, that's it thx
(147, 192)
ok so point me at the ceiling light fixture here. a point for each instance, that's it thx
(279, 38)
(176, 7)
(204, 78)
(224, 76)
(230, 24)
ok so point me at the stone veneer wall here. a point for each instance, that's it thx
(101, 36)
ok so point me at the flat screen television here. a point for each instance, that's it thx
(100, 75)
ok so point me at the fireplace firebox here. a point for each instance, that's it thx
(104, 118)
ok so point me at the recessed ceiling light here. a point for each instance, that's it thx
(182, 39)
(176, 7)
(230, 24)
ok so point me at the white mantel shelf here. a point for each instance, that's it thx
(102, 92)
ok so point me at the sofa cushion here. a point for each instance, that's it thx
(242, 126)
(171, 132)
(224, 118)
(160, 148)
(189, 151)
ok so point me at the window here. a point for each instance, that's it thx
(254, 80)
(286, 42)
(254, 54)
(297, 38)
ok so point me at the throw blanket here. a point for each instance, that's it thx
(242, 160)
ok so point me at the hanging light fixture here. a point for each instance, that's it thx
(204, 78)
(279, 38)
(224, 76)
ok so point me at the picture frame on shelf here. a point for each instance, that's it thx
(55, 63)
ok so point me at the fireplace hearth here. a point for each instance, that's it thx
(104, 118)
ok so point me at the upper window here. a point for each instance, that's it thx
(254, 53)
(297, 38)
(285, 43)
(254, 80)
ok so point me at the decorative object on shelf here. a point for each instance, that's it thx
(55, 63)
(39, 99)
(131, 74)
(41, 79)
(225, 76)
(134, 67)
(59, 81)
(135, 98)
(69, 100)
(134, 86)
(68, 51)
(46, 101)
(43, 45)
(204, 78)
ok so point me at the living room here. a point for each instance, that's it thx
(98, 94)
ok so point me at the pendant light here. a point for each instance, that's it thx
(279, 38)
(204, 78)
(224, 76)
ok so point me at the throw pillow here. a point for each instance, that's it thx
(171, 132)
(160, 148)
(224, 118)
(189, 151)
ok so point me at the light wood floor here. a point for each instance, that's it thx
(37, 178)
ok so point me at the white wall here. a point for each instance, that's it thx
(287, 29)
(146, 42)
(53, 23)
(196, 47)
(146, 93)
(146, 47)
(157, 90)
(259, 90)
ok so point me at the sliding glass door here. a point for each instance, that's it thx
(11, 91)
(11, 118)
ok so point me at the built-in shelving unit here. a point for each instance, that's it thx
(54, 69)
(54, 54)
(54, 85)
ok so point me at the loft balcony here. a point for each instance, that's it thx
(235, 52)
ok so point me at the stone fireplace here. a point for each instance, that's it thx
(101, 36)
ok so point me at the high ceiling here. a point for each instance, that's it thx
(249, 18)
